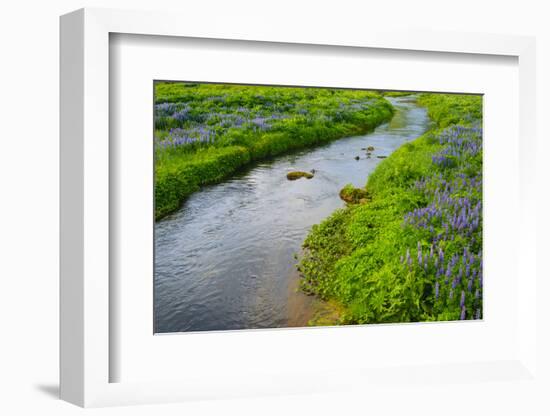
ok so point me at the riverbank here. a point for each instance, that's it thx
(205, 132)
(413, 252)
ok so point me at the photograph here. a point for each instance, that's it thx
(281, 207)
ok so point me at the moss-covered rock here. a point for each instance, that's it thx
(292, 176)
(353, 195)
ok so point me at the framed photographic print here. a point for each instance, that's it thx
(255, 246)
(284, 213)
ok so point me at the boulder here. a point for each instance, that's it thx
(353, 195)
(292, 176)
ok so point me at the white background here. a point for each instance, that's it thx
(29, 207)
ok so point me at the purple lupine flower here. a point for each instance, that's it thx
(454, 259)
(463, 313)
(449, 270)
(453, 213)
(436, 290)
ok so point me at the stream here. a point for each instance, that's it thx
(226, 259)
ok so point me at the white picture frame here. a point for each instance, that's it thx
(86, 356)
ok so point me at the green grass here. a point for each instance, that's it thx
(355, 257)
(206, 132)
(180, 176)
(449, 109)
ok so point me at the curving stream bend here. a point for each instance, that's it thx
(225, 260)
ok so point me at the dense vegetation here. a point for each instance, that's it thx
(205, 132)
(413, 251)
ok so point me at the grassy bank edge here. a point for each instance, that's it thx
(390, 199)
(176, 181)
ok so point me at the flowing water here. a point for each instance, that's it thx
(226, 259)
